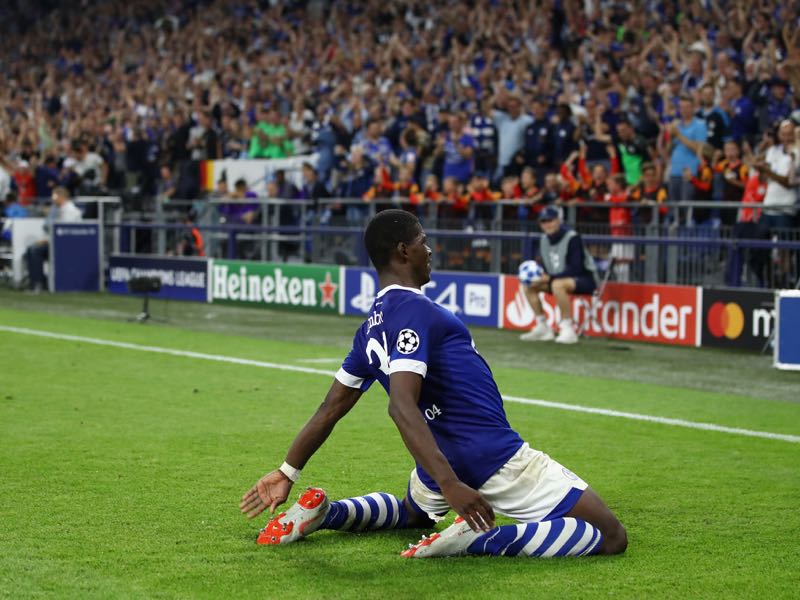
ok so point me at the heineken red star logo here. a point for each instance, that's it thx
(328, 289)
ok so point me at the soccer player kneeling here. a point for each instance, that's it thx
(446, 405)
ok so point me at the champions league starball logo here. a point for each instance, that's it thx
(407, 341)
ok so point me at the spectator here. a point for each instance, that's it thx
(166, 187)
(779, 167)
(431, 191)
(232, 139)
(11, 210)
(241, 209)
(483, 129)
(539, 141)
(633, 151)
(702, 182)
(91, 169)
(511, 125)
(650, 192)
(376, 147)
(482, 198)
(569, 270)
(742, 112)
(747, 227)
(593, 133)
(734, 176)
(458, 147)
(551, 193)
(63, 210)
(46, 176)
(289, 214)
(204, 142)
(774, 103)
(270, 138)
(717, 120)
(454, 207)
(190, 241)
(23, 179)
(400, 123)
(619, 221)
(687, 135)
(301, 120)
(563, 135)
(356, 177)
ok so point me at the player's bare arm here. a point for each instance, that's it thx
(273, 489)
(467, 502)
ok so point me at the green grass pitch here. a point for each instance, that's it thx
(122, 469)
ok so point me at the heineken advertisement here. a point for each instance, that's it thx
(307, 287)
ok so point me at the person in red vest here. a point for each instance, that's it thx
(619, 221)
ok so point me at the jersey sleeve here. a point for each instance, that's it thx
(354, 371)
(411, 339)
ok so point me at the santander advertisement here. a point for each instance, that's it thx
(666, 314)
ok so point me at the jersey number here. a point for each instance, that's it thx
(381, 352)
(432, 412)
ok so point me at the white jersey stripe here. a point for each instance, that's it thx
(406, 364)
(595, 541)
(382, 510)
(563, 537)
(541, 532)
(345, 378)
(351, 514)
(367, 511)
(586, 539)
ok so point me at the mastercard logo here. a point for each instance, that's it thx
(725, 320)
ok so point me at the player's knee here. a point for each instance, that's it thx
(616, 540)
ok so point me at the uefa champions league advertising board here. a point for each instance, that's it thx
(473, 297)
(181, 278)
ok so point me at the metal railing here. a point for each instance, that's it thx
(488, 238)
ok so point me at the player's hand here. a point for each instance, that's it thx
(470, 505)
(270, 491)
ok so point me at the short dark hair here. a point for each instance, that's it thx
(387, 229)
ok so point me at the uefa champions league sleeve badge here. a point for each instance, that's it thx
(407, 341)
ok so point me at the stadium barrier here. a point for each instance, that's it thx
(329, 231)
(666, 314)
(702, 313)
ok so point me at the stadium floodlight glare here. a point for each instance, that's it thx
(145, 286)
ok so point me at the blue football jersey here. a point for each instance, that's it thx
(407, 331)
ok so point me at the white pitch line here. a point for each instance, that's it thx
(283, 367)
(319, 360)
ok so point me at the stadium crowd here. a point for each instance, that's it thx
(467, 102)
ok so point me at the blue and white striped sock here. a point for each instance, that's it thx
(559, 537)
(366, 513)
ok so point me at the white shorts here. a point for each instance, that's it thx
(530, 487)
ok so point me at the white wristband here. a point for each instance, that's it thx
(288, 470)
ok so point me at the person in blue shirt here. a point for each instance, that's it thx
(538, 147)
(744, 122)
(689, 133)
(458, 147)
(446, 405)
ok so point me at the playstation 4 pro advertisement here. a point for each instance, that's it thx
(473, 297)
